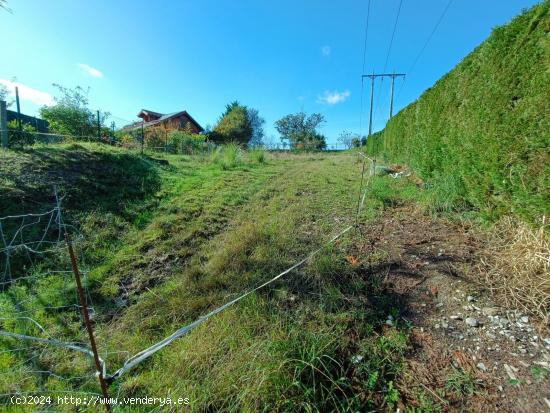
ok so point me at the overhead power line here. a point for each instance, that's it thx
(430, 36)
(363, 69)
(392, 36)
(388, 54)
(366, 37)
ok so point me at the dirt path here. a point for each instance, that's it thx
(467, 353)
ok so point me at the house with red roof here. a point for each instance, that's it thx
(173, 121)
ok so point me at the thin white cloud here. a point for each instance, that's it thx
(300, 98)
(325, 50)
(332, 98)
(92, 71)
(28, 93)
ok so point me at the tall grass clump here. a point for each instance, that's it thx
(227, 156)
(482, 132)
(257, 155)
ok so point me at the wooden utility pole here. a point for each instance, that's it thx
(374, 76)
(391, 99)
(371, 102)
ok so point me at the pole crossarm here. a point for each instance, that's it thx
(374, 76)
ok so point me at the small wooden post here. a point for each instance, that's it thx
(4, 124)
(142, 138)
(98, 127)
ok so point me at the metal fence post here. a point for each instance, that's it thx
(19, 123)
(87, 322)
(4, 124)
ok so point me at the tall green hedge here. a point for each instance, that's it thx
(480, 136)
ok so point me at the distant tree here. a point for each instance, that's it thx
(71, 115)
(300, 131)
(229, 107)
(233, 126)
(346, 139)
(349, 140)
(257, 125)
(4, 94)
(240, 124)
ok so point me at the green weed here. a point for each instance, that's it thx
(258, 155)
(461, 382)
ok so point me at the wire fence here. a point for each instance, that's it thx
(106, 128)
(27, 242)
(28, 239)
(158, 140)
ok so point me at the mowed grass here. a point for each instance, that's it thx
(208, 233)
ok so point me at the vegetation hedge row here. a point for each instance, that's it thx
(480, 136)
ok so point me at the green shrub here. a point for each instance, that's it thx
(127, 141)
(27, 135)
(156, 137)
(185, 142)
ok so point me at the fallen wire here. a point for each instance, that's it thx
(55, 343)
(148, 352)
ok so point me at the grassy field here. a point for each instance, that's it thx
(166, 238)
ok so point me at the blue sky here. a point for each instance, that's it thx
(276, 56)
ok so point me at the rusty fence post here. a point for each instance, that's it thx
(86, 315)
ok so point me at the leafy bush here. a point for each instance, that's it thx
(185, 142)
(300, 130)
(240, 124)
(127, 141)
(156, 137)
(27, 136)
(71, 115)
(482, 133)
